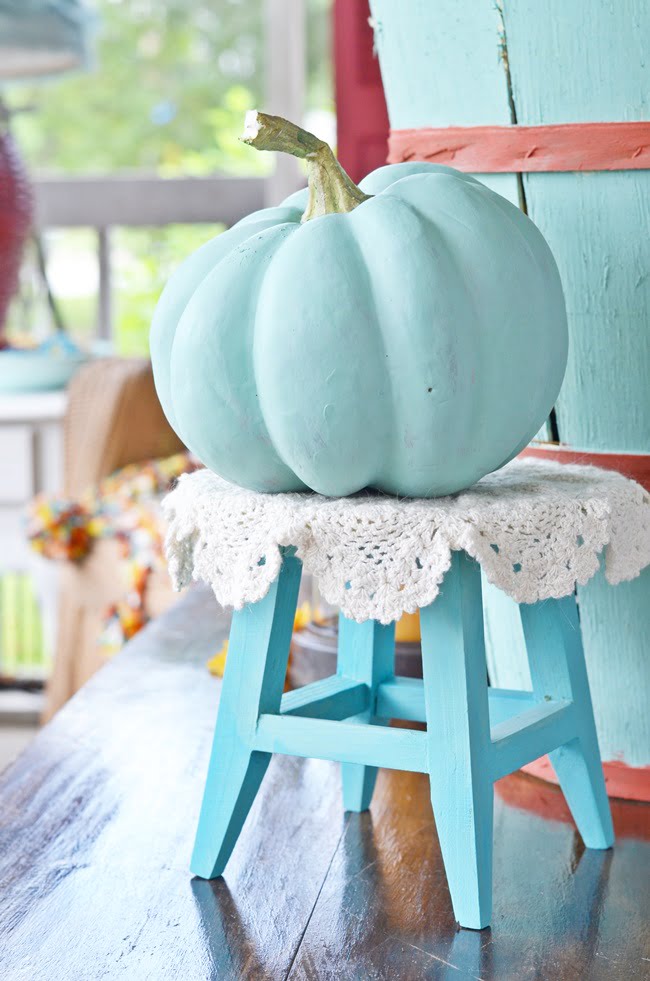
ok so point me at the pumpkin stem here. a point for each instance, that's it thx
(331, 191)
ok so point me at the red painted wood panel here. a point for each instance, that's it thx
(362, 119)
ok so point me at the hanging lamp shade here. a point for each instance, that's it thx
(40, 38)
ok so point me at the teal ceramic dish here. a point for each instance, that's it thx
(48, 367)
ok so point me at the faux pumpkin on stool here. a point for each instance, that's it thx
(408, 334)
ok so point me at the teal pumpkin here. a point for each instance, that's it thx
(412, 344)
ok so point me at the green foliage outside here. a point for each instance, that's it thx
(170, 87)
(144, 258)
(21, 632)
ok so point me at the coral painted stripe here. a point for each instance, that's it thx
(527, 149)
(636, 466)
(538, 796)
(626, 782)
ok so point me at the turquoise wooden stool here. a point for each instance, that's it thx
(475, 734)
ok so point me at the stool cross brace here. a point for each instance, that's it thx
(474, 736)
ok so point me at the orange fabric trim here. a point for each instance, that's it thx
(527, 149)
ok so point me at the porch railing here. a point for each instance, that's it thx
(104, 203)
(107, 202)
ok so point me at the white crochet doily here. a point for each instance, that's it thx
(536, 528)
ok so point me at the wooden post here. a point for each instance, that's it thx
(285, 85)
(361, 116)
(105, 298)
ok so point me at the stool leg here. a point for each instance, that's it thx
(366, 653)
(254, 678)
(458, 730)
(557, 668)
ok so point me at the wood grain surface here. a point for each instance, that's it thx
(97, 821)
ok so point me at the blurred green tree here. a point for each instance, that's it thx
(167, 94)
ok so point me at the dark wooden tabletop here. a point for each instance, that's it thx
(98, 818)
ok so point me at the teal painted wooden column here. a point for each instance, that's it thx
(596, 225)
(476, 62)
(440, 67)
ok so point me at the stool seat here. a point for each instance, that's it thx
(474, 734)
